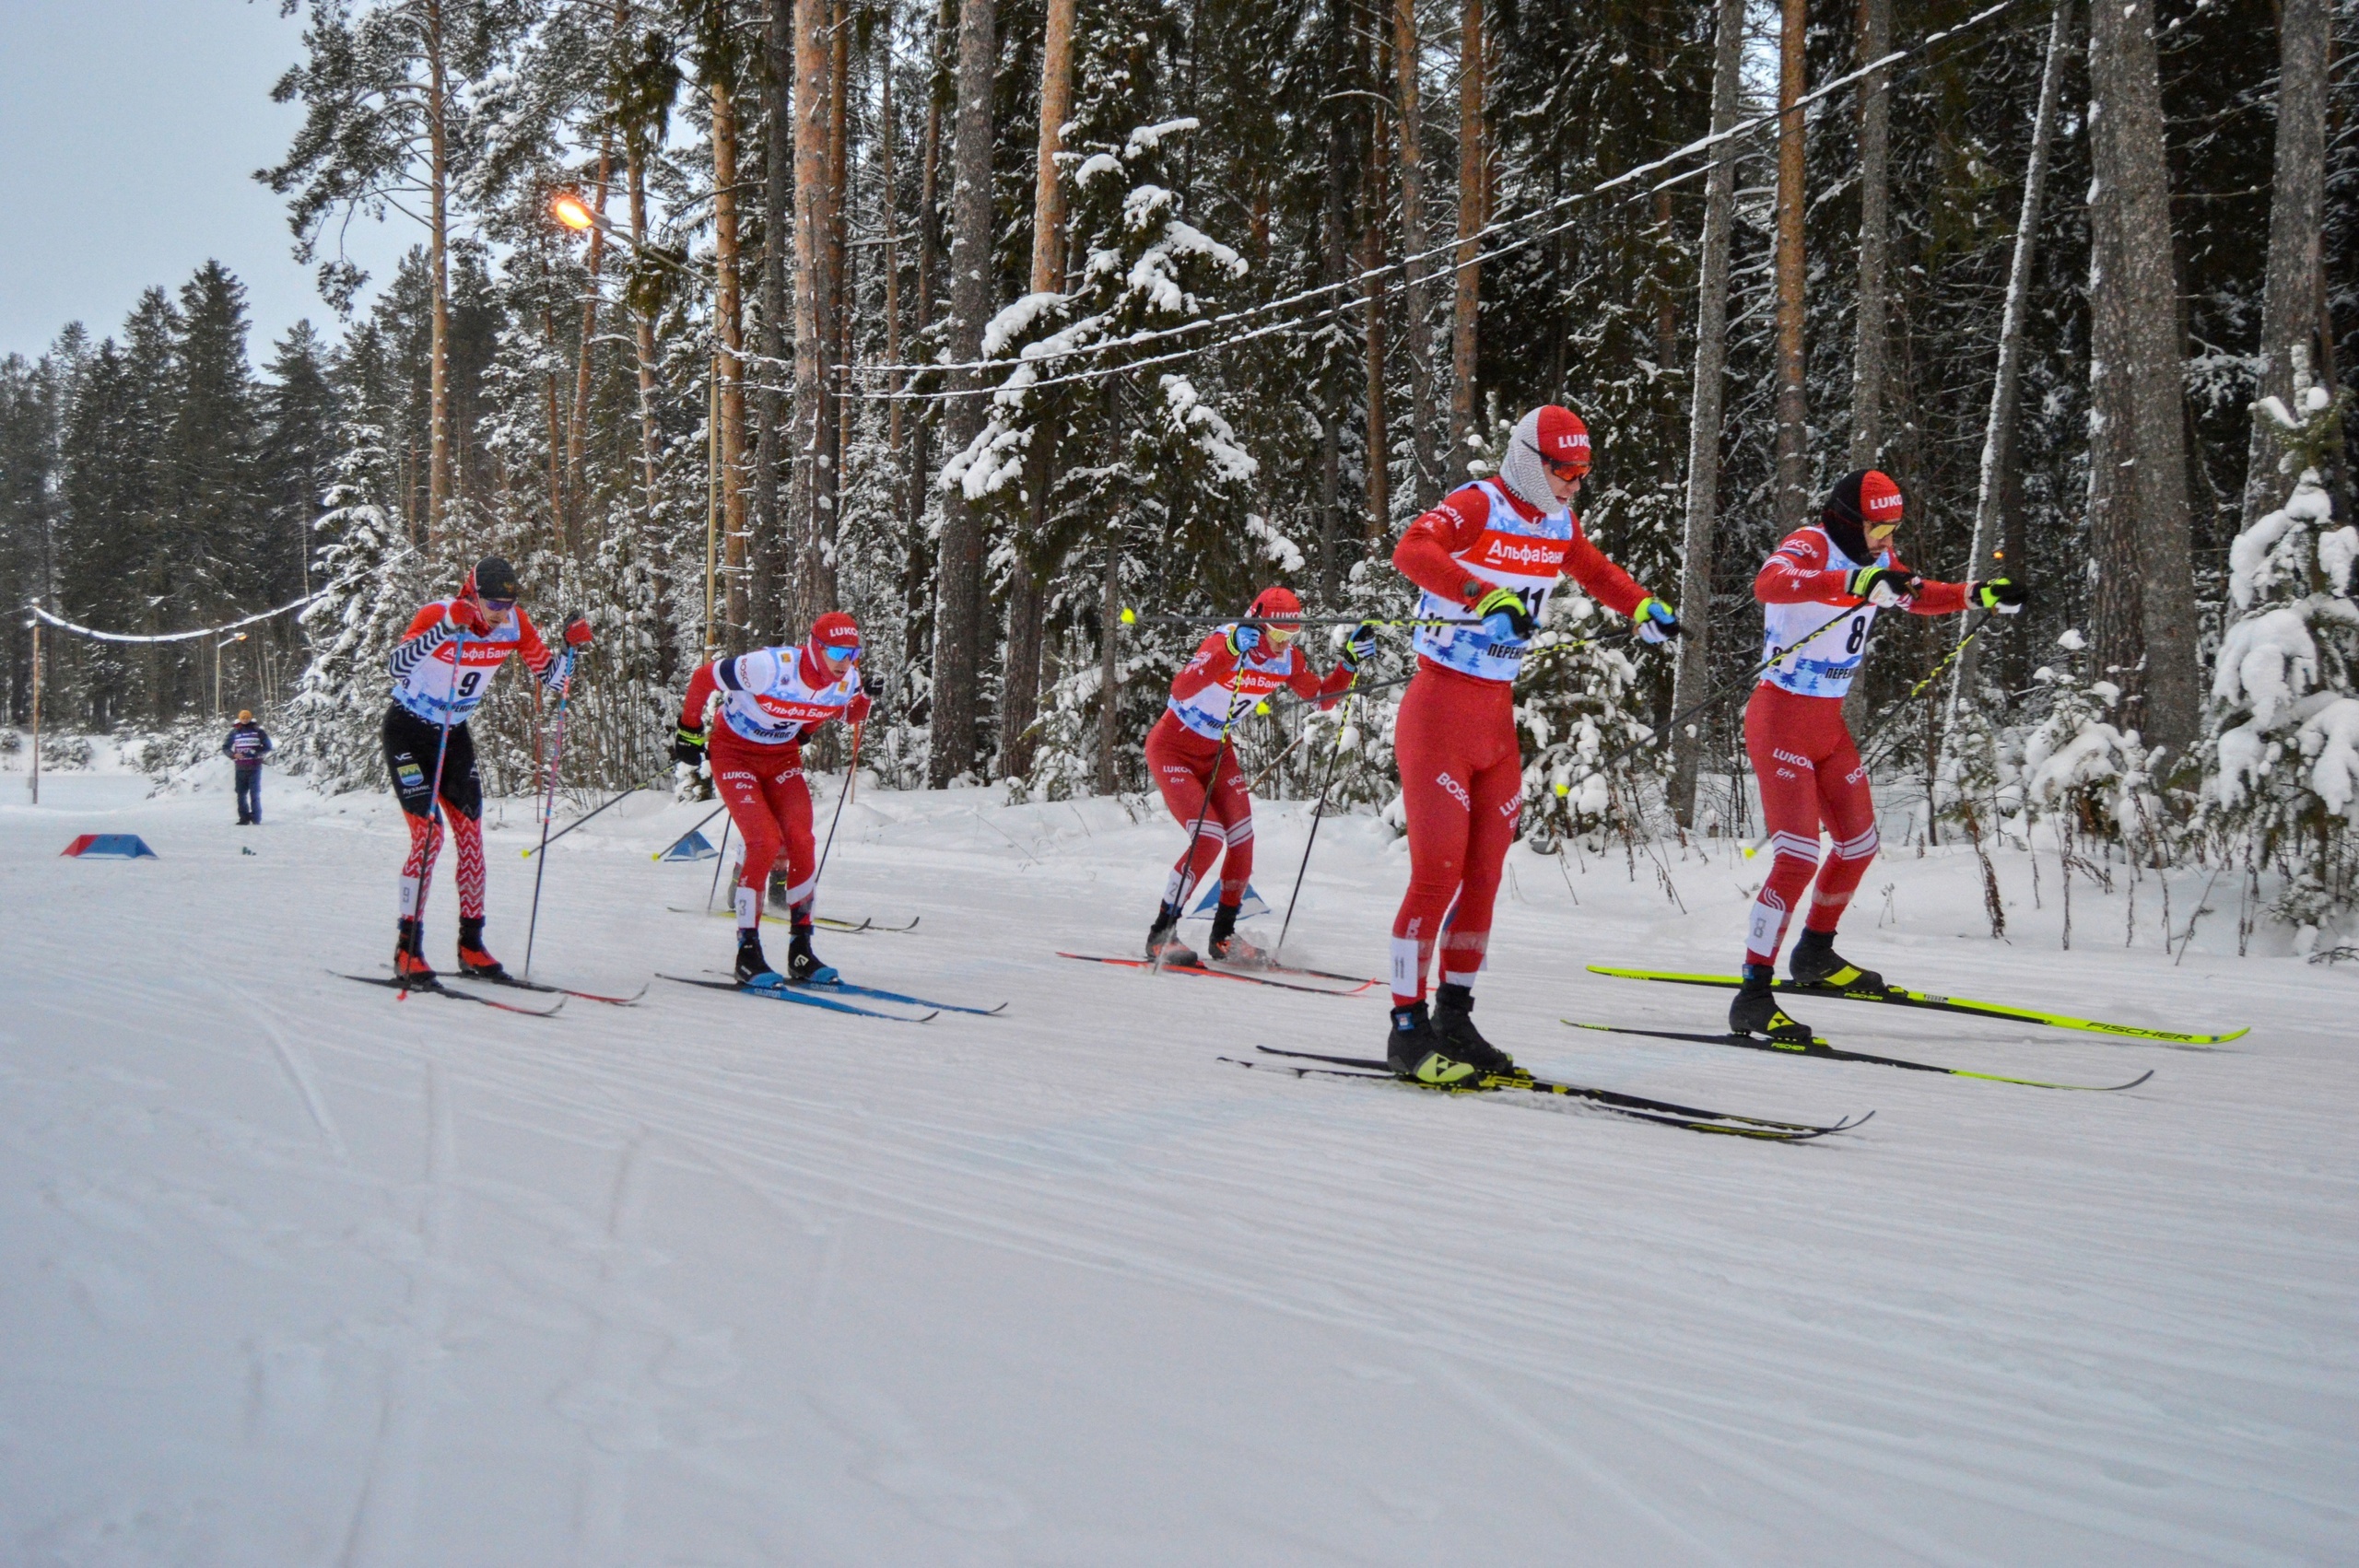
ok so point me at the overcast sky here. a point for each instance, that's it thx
(129, 134)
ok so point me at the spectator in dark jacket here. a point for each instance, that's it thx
(248, 744)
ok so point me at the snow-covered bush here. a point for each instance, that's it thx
(2079, 769)
(1579, 702)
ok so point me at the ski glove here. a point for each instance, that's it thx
(856, 711)
(1881, 586)
(1244, 639)
(687, 747)
(1359, 645)
(466, 613)
(2000, 596)
(1504, 614)
(1655, 621)
(577, 633)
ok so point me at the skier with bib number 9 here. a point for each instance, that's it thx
(1843, 566)
(442, 667)
(765, 703)
(1488, 556)
(1194, 766)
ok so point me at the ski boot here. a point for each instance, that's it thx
(803, 965)
(753, 968)
(473, 957)
(409, 955)
(1231, 948)
(1815, 963)
(1755, 1011)
(1163, 943)
(1454, 1021)
(1418, 1053)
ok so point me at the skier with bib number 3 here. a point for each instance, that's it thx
(1808, 767)
(1488, 556)
(441, 669)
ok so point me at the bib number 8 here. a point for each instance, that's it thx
(1859, 634)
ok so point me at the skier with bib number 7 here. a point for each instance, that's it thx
(1808, 767)
(1488, 556)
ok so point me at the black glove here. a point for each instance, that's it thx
(1881, 586)
(1999, 595)
(1359, 645)
(687, 747)
(1505, 615)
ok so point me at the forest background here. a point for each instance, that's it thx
(986, 319)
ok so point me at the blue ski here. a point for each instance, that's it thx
(797, 994)
(850, 989)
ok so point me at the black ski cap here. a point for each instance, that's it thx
(494, 578)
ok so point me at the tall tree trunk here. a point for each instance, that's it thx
(827, 508)
(1793, 434)
(2289, 310)
(1875, 200)
(920, 583)
(1372, 203)
(1996, 484)
(577, 432)
(1109, 665)
(1694, 675)
(959, 619)
(1335, 257)
(813, 299)
(1472, 183)
(730, 363)
(889, 214)
(644, 330)
(437, 484)
(2139, 481)
(1027, 591)
(1407, 54)
(774, 530)
(560, 536)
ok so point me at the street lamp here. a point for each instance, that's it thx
(234, 636)
(569, 210)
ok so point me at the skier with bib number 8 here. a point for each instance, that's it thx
(1841, 567)
(1488, 558)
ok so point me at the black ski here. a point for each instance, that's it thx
(1603, 1096)
(436, 988)
(1357, 986)
(1819, 1047)
(504, 978)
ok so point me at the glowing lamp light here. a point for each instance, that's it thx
(569, 210)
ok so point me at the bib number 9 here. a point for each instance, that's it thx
(468, 681)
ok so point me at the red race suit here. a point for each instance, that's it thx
(1803, 753)
(1187, 754)
(768, 701)
(1461, 769)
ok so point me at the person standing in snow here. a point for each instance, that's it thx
(1488, 558)
(1841, 567)
(1195, 767)
(768, 701)
(442, 667)
(245, 747)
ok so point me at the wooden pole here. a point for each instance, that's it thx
(36, 777)
(711, 497)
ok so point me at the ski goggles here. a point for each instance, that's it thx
(497, 607)
(842, 653)
(1280, 632)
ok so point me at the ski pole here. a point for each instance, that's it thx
(548, 806)
(851, 782)
(719, 858)
(434, 797)
(683, 838)
(577, 822)
(1318, 813)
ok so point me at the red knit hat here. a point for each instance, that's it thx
(1275, 605)
(835, 629)
(1879, 498)
(1562, 438)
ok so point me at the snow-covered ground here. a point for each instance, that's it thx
(300, 1273)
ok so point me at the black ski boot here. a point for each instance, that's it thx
(1163, 943)
(1454, 1021)
(1755, 1011)
(753, 968)
(1417, 1052)
(410, 954)
(803, 965)
(473, 957)
(1815, 963)
(1230, 948)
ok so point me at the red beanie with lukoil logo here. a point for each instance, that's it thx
(835, 629)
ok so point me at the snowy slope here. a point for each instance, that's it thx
(300, 1273)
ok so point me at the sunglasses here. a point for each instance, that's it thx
(502, 605)
(841, 654)
(1565, 470)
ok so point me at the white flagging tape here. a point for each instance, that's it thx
(61, 624)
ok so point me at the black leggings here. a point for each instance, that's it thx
(411, 744)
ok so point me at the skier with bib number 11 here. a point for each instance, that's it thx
(1803, 753)
(1488, 556)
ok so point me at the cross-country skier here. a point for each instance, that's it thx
(1489, 555)
(1189, 755)
(246, 745)
(442, 667)
(1843, 566)
(768, 700)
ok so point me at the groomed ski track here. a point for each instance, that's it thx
(300, 1273)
